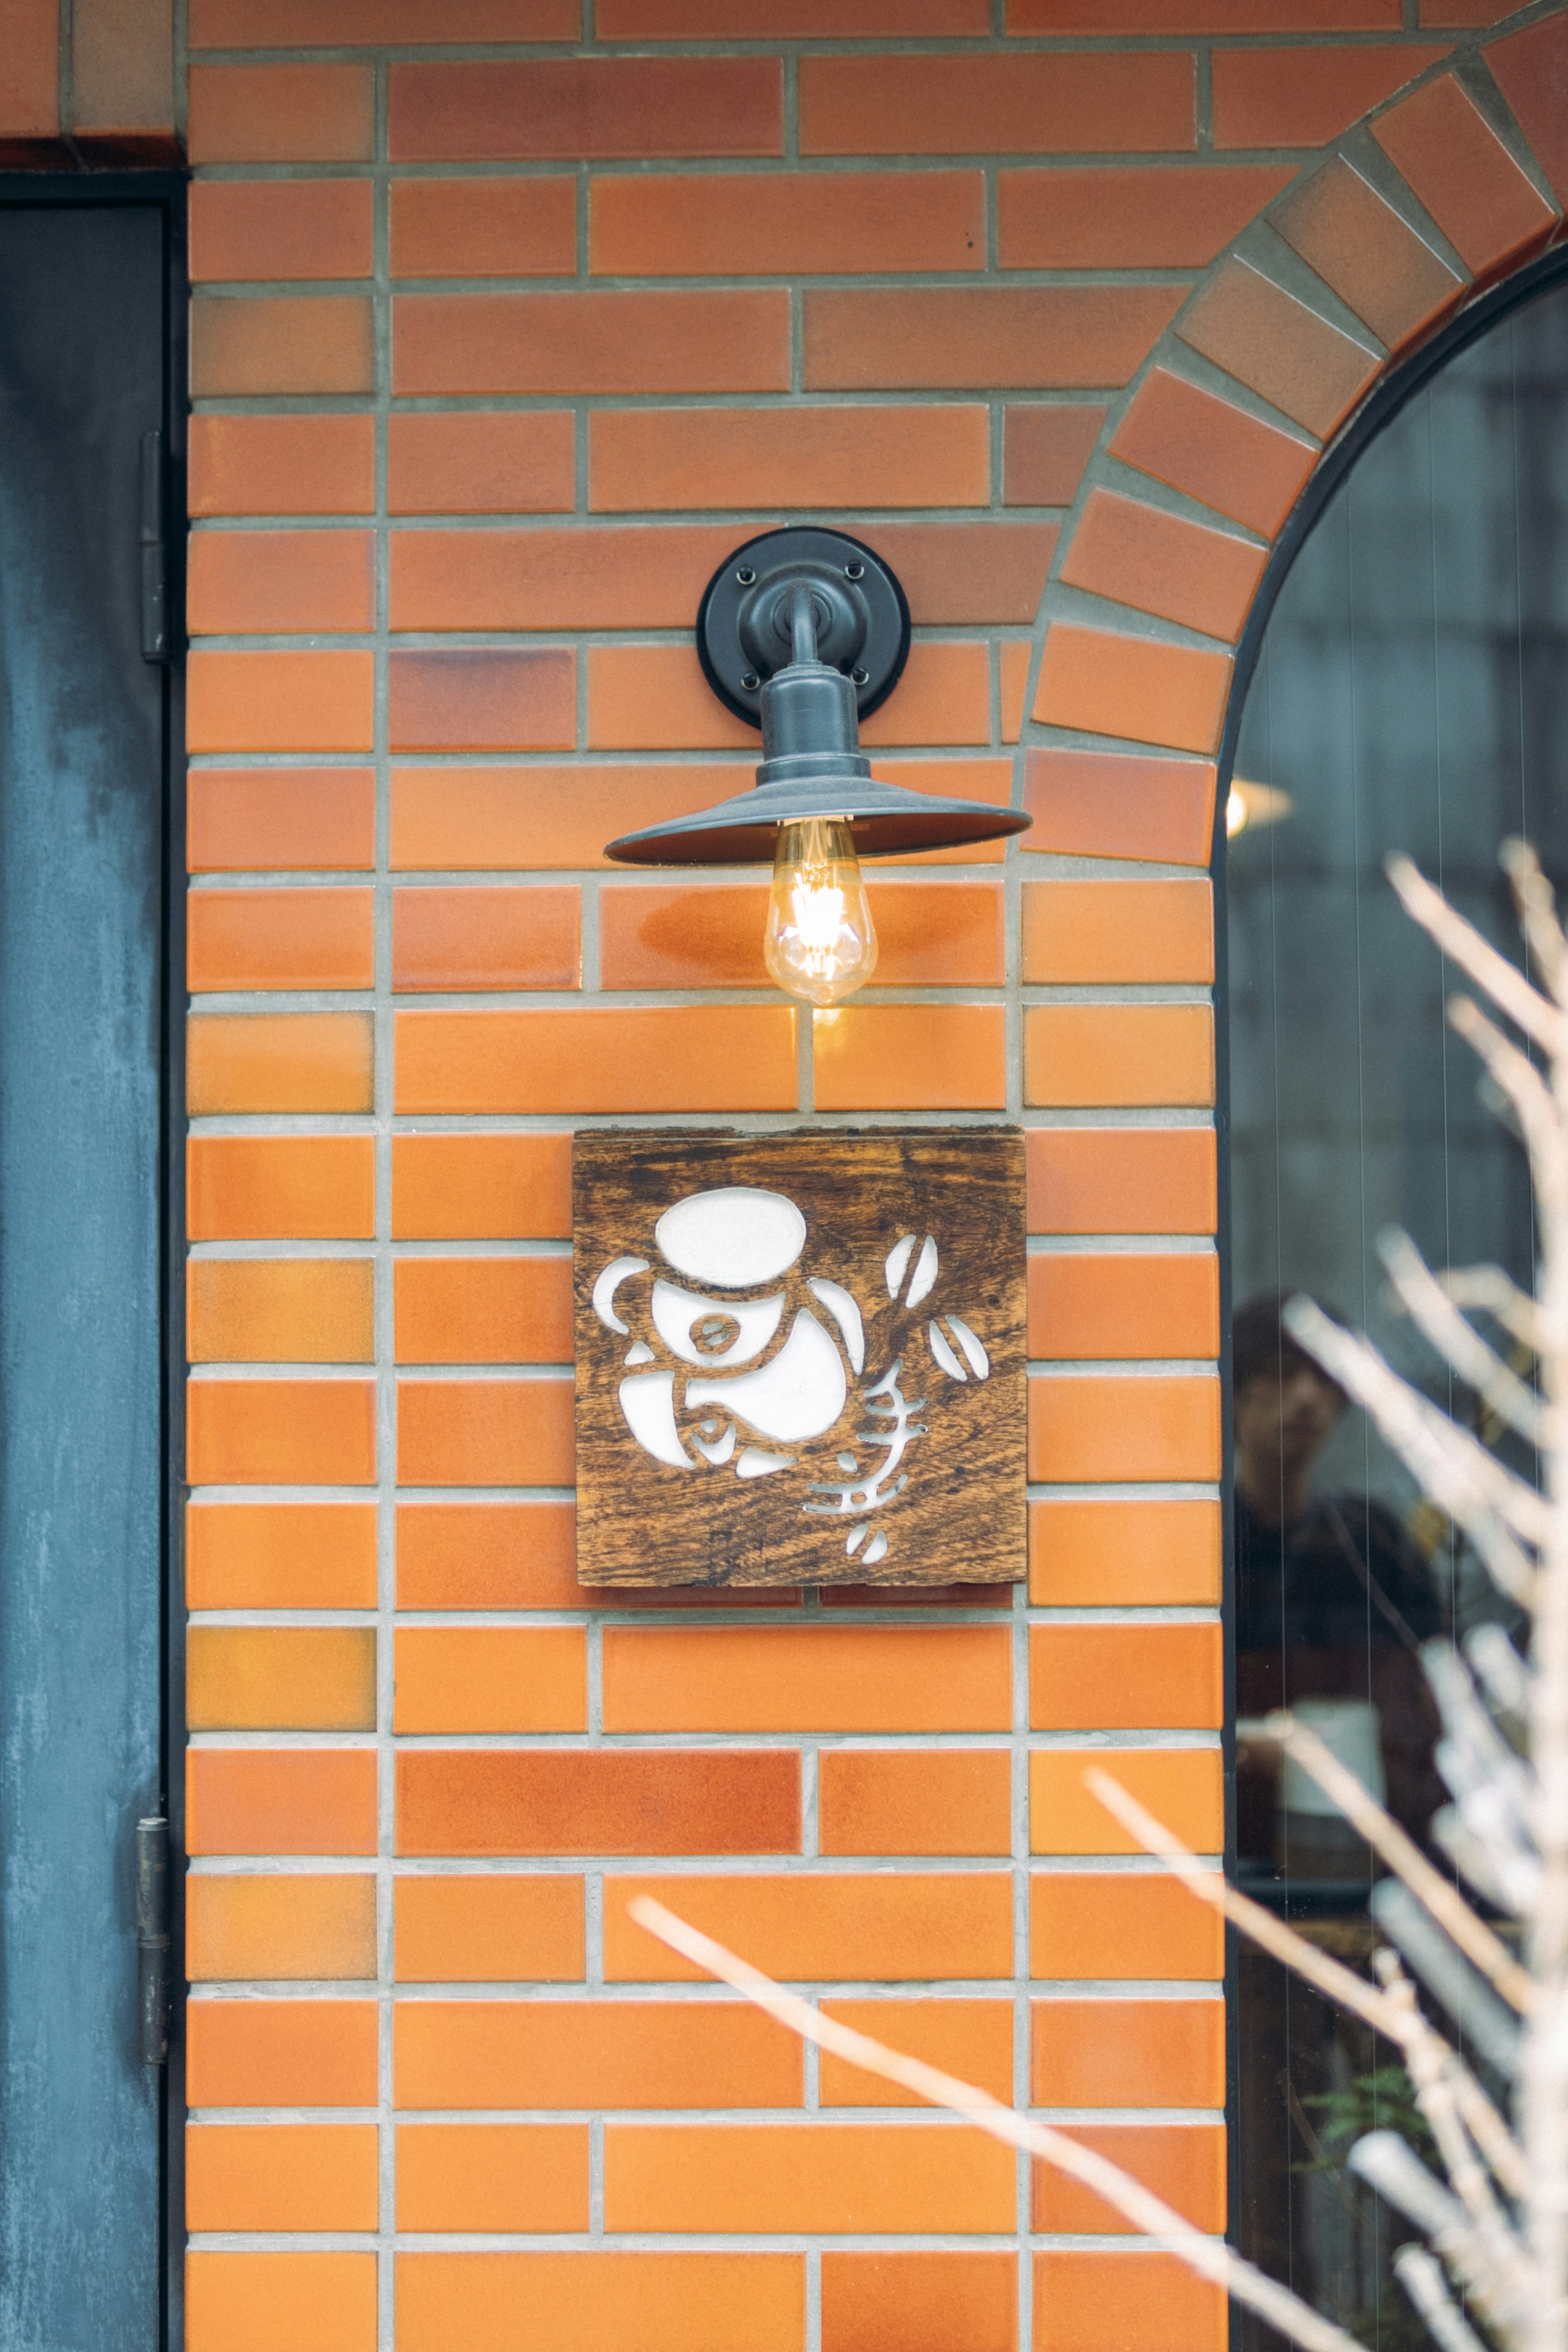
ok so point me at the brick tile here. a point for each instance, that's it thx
(914, 1801)
(1121, 1179)
(943, 697)
(1268, 340)
(485, 1432)
(1183, 2163)
(1113, 804)
(797, 223)
(524, 1556)
(1109, 1304)
(1013, 660)
(914, 1596)
(280, 1800)
(281, 228)
(1465, 176)
(280, 939)
(509, 462)
(279, 581)
(1134, 1555)
(597, 341)
(280, 820)
(280, 1433)
(278, 1061)
(790, 20)
(481, 1187)
(972, 572)
(1153, 2302)
(789, 1677)
(911, 1057)
(282, 464)
(482, 701)
(1125, 1678)
(1361, 247)
(660, 2303)
(946, 2302)
(931, 934)
(973, 337)
(483, 1310)
(245, 2302)
(592, 2053)
(1120, 1924)
(1134, 219)
(809, 1928)
(1088, 1056)
(612, 578)
(280, 1556)
(483, 228)
(691, 1057)
(1138, 687)
(1163, 563)
(1128, 2053)
(30, 108)
(465, 1678)
(485, 2177)
(655, 697)
(280, 1188)
(280, 2053)
(513, 1929)
(1304, 98)
(1111, 932)
(1530, 68)
(1233, 462)
(281, 2176)
(280, 343)
(280, 1678)
(1202, 15)
(1064, 104)
(647, 459)
(503, 937)
(245, 1928)
(280, 114)
(1182, 1785)
(1044, 451)
(970, 2039)
(1087, 1427)
(348, 23)
(805, 2177)
(587, 107)
(600, 1801)
(279, 701)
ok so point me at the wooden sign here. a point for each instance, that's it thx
(800, 1358)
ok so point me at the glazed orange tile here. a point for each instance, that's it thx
(477, 938)
(598, 1800)
(1159, 563)
(592, 2053)
(1121, 1924)
(1127, 2053)
(1139, 687)
(1463, 173)
(1126, 1677)
(1366, 252)
(481, 461)
(251, 2301)
(458, 1930)
(970, 2039)
(1085, 1427)
(281, 114)
(1094, 1056)
(288, 1310)
(485, 1432)
(1223, 455)
(465, 1678)
(280, 1433)
(1118, 931)
(280, 2053)
(1182, 2163)
(280, 1677)
(294, 1188)
(281, 2176)
(487, 1556)
(813, 2177)
(637, 1057)
(312, 1927)
(675, 936)
(481, 1187)
(284, 582)
(279, 701)
(879, 1926)
(662, 2302)
(1122, 1180)
(790, 1677)
(945, 2302)
(652, 460)
(282, 464)
(537, 818)
(278, 820)
(1140, 218)
(914, 1801)
(483, 1310)
(785, 225)
(1123, 1304)
(1132, 1555)
(279, 1060)
(1266, 339)
(280, 1801)
(1182, 1786)
(911, 1057)
(1113, 804)
(281, 1555)
(481, 699)
(289, 343)
(1141, 2302)
(1046, 449)
(484, 228)
(478, 2178)
(654, 698)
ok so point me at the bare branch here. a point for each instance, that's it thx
(1422, 2279)
(1526, 1089)
(1387, 2163)
(1533, 897)
(1511, 1399)
(1463, 944)
(1488, 1289)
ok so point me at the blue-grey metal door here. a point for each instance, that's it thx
(84, 717)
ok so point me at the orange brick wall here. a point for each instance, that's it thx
(498, 346)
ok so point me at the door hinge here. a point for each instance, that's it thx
(152, 1950)
(154, 589)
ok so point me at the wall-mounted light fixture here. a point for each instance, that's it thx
(803, 632)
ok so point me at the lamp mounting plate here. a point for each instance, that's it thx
(743, 627)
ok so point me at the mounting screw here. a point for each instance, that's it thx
(854, 572)
(745, 575)
(751, 681)
(859, 676)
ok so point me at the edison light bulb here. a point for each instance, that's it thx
(820, 944)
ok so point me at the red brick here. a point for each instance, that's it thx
(656, 697)
(975, 337)
(501, 937)
(281, 582)
(279, 701)
(967, 571)
(29, 104)
(590, 342)
(942, 2302)
(1477, 193)
(1134, 219)
(1532, 71)
(1121, 1179)
(1044, 451)
(652, 459)
(1267, 339)
(911, 1057)
(639, 576)
(1139, 2302)
(1136, 686)
(1304, 98)
(274, 820)
(480, 700)
(798, 224)
(789, 20)
(1185, 16)
(281, 228)
(1361, 247)
(280, 1800)
(349, 24)
(586, 107)
(1086, 1427)
(506, 462)
(280, 114)
(468, 1432)
(676, 936)
(943, 697)
(1228, 459)
(280, 343)
(282, 464)
(1162, 563)
(598, 1802)
(483, 228)
(659, 2302)
(1064, 104)
(643, 1058)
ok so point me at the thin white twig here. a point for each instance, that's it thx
(1511, 1399)
(1463, 944)
(1421, 2278)
(1537, 906)
(1488, 1289)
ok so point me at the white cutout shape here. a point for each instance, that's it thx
(799, 1394)
(944, 1355)
(756, 1463)
(846, 1314)
(897, 1259)
(734, 1235)
(676, 1314)
(647, 1400)
(979, 1361)
(619, 1270)
(639, 1352)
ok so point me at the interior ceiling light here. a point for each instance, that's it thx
(1249, 805)
(802, 632)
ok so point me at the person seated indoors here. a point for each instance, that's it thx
(1332, 1601)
